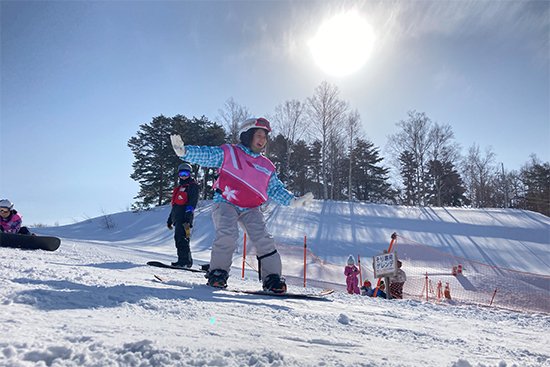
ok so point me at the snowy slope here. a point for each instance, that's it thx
(94, 302)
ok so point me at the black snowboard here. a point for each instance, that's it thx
(168, 266)
(318, 296)
(312, 296)
(29, 242)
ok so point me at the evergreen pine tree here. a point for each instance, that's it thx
(154, 162)
(536, 180)
(446, 187)
(301, 172)
(278, 154)
(370, 179)
(155, 165)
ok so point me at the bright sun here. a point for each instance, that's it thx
(342, 44)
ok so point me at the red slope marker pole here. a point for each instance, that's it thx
(305, 259)
(360, 273)
(244, 255)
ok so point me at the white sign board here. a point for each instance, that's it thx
(384, 265)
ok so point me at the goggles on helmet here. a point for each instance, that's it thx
(263, 123)
(184, 173)
(255, 123)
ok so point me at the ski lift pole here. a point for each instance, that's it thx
(392, 242)
(492, 299)
(360, 273)
(427, 288)
(390, 248)
(244, 255)
(305, 259)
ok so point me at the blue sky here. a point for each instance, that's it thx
(78, 78)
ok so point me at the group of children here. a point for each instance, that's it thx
(247, 179)
(351, 271)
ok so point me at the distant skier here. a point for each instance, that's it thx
(366, 289)
(247, 179)
(397, 282)
(447, 291)
(351, 272)
(10, 220)
(379, 291)
(184, 201)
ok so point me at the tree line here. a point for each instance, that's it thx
(317, 145)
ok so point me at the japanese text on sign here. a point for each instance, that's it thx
(384, 265)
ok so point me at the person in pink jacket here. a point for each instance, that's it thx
(351, 271)
(10, 221)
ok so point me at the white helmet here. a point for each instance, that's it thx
(255, 123)
(5, 203)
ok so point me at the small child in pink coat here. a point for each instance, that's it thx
(351, 271)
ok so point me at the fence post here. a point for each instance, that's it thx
(494, 294)
(427, 287)
(360, 272)
(305, 259)
(244, 255)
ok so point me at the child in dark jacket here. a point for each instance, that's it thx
(184, 200)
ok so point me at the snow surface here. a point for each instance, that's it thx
(94, 302)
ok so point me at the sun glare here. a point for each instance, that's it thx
(342, 44)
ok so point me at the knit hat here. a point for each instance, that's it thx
(351, 260)
(367, 283)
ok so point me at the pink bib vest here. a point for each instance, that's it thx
(243, 179)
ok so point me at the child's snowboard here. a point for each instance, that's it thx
(30, 242)
(159, 264)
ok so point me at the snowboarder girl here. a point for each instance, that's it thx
(10, 221)
(247, 179)
(351, 271)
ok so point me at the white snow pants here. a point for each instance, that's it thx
(226, 218)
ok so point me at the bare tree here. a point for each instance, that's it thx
(443, 155)
(352, 131)
(337, 169)
(231, 117)
(479, 173)
(443, 148)
(289, 119)
(414, 137)
(326, 112)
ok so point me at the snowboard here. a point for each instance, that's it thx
(159, 264)
(320, 296)
(29, 242)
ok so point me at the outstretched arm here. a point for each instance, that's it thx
(207, 156)
(278, 193)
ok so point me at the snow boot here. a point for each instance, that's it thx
(217, 278)
(275, 283)
(184, 258)
(181, 264)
